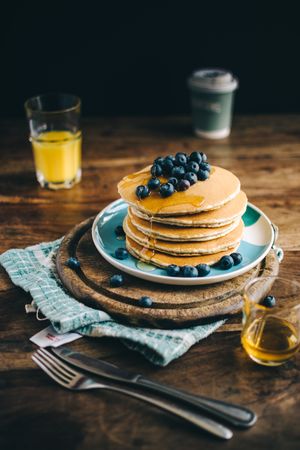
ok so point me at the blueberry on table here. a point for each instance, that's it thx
(173, 270)
(192, 166)
(183, 185)
(156, 170)
(73, 263)
(116, 280)
(166, 190)
(153, 184)
(196, 156)
(121, 253)
(178, 172)
(142, 191)
(269, 301)
(205, 166)
(203, 270)
(173, 181)
(180, 159)
(237, 258)
(226, 262)
(189, 272)
(119, 231)
(203, 175)
(191, 177)
(145, 301)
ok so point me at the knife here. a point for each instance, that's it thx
(235, 414)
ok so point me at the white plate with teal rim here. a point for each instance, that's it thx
(257, 240)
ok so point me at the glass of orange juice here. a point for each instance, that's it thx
(55, 135)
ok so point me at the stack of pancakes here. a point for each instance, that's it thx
(199, 225)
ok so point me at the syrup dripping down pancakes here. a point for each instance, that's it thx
(199, 225)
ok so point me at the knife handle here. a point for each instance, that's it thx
(235, 414)
(202, 422)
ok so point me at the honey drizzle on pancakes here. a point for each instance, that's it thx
(154, 202)
(182, 197)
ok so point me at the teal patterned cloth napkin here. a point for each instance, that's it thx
(33, 269)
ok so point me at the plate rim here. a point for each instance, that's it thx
(165, 279)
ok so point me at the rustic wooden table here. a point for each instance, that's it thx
(264, 151)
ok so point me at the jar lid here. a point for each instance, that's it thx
(216, 80)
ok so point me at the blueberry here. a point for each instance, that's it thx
(205, 166)
(173, 270)
(166, 189)
(203, 156)
(142, 192)
(183, 185)
(237, 258)
(226, 262)
(159, 160)
(116, 280)
(167, 167)
(145, 302)
(189, 272)
(191, 177)
(178, 172)
(192, 167)
(196, 156)
(269, 301)
(180, 159)
(73, 263)
(153, 184)
(156, 170)
(203, 270)
(171, 158)
(173, 181)
(121, 253)
(203, 175)
(119, 231)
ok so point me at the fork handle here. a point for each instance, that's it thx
(200, 421)
(235, 414)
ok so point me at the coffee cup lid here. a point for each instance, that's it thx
(213, 79)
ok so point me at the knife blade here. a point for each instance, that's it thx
(235, 414)
(96, 366)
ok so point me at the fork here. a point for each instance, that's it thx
(77, 381)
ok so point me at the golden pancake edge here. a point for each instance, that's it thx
(220, 244)
(157, 230)
(221, 216)
(163, 260)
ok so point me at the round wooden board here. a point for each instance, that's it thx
(173, 306)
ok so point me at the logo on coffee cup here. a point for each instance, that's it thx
(206, 106)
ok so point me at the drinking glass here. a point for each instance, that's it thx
(271, 335)
(55, 135)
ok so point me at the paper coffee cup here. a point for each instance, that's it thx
(212, 92)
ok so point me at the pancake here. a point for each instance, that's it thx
(215, 218)
(221, 187)
(223, 243)
(170, 233)
(163, 260)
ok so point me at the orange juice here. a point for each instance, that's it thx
(57, 156)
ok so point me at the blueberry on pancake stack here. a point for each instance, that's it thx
(182, 211)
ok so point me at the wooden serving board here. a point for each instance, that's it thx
(173, 306)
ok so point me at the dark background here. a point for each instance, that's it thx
(133, 58)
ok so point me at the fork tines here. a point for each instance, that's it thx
(55, 368)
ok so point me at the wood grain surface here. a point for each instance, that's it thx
(173, 306)
(264, 152)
